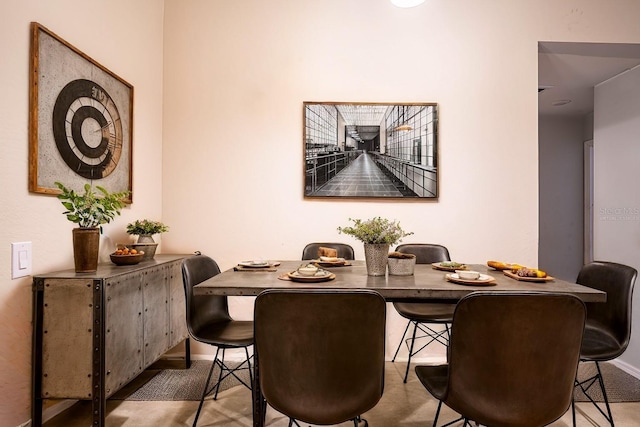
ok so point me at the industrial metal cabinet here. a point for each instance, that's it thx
(95, 332)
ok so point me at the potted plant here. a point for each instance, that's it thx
(145, 229)
(89, 210)
(377, 234)
(401, 264)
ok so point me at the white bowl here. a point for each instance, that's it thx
(308, 270)
(468, 274)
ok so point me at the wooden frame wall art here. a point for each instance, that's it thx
(81, 119)
(359, 150)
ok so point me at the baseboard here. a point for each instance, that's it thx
(631, 370)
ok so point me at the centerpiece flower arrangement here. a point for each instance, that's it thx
(377, 234)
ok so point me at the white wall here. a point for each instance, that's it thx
(561, 196)
(237, 74)
(126, 37)
(224, 100)
(616, 195)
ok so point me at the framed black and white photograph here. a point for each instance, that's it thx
(81, 117)
(370, 150)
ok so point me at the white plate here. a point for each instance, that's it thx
(320, 276)
(483, 280)
(439, 266)
(255, 264)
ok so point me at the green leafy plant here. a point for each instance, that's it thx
(146, 227)
(375, 231)
(91, 209)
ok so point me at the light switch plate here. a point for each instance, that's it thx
(20, 259)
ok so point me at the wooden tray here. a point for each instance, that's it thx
(528, 279)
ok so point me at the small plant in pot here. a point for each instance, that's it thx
(89, 210)
(377, 234)
(145, 229)
(401, 264)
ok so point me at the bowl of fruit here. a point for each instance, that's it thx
(126, 256)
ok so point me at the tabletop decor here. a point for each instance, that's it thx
(145, 230)
(89, 210)
(377, 234)
(401, 264)
(80, 121)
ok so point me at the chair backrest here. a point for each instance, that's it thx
(202, 309)
(513, 357)
(426, 253)
(344, 251)
(320, 352)
(617, 280)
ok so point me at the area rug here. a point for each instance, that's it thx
(620, 386)
(176, 383)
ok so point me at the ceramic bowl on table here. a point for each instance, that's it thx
(129, 259)
(307, 270)
(468, 274)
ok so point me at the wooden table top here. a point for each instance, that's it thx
(426, 283)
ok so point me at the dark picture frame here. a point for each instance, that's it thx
(359, 150)
(80, 119)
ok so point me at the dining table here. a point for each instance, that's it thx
(427, 283)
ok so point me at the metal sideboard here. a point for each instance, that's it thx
(95, 332)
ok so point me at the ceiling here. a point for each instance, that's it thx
(570, 71)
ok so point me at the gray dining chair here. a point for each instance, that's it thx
(424, 316)
(513, 358)
(320, 353)
(608, 327)
(345, 251)
(209, 322)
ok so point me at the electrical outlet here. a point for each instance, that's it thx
(20, 259)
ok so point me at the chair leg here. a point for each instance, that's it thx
(585, 389)
(413, 340)
(401, 341)
(357, 420)
(442, 337)
(204, 391)
(604, 395)
(435, 420)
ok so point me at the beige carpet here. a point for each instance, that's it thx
(169, 381)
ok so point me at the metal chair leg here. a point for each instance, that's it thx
(413, 340)
(401, 341)
(585, 389)
(204, 391)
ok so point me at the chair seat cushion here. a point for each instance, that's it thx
(233, 333)
(434, 379)
(599, 344)
(426, 312)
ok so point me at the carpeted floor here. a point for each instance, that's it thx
(169, 381)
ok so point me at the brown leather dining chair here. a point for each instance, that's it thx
(513, 358)
(424, 315)
(608, 326)
(320, 353)
(209, 322)
(345, 251)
